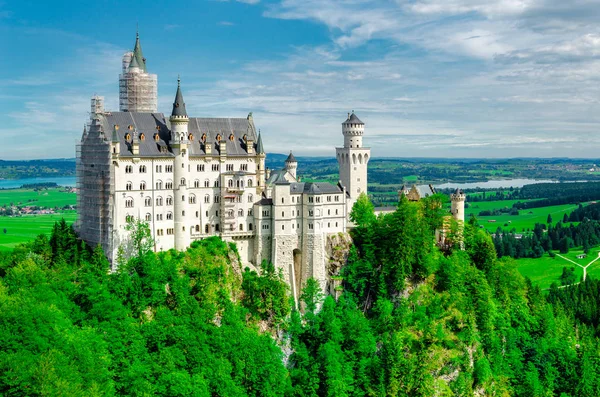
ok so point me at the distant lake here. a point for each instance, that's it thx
(15, 183)
(505, 183)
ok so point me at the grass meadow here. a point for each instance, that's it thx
(20, 229)
(44, 198)
(546, 270)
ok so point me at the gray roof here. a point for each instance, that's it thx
(423, 190)
(179, 104)
(259, 145)
(155, 123)
(265, 201)
(134, 63)
(314, 188)
(291, 159)
(352, 119)
(277, 176)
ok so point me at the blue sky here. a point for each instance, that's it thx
(430, 78)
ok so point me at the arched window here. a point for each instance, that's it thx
(129, 202)
(230, 183)
(142, 137)
(142, 185)
(216, 183)
(190, 137)
(182, 182)
(206, 183)
(250, 226)
(241, 227)
(250, 198)
(249, 182)
(206, 228)
(169, 200)
(148, 217)
(128, 169)
(169, 216)
(159, 200)
(127, 137)
(156, 137)
(197, 228)
(196, 183)
(147, 201)
(240, 212)
(169, 185)
(142, 169)
(192, 199)
(129, 186)
(128, 218)
(207, 198)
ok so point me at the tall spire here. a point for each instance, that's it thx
(179, 104)
(137, 52)
(259, 145)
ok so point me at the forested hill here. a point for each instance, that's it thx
(413, 320)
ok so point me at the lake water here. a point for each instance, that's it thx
(15, 183)
(506, 183)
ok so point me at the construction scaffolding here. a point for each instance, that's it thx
(138, 90)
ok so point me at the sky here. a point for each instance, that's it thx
(430, 78)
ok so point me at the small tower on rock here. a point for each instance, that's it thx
(457, 207)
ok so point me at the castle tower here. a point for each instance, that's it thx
(179, 143)
(291, 165)
(353, 158)
(261, 168)
(138, 90)
(457, 208)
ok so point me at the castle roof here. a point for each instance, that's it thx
(259, 145)
(134, 63)
(179, 104)
(314, 188)
(291, 159)
(353, 119)
(232, 130)
(137, 53)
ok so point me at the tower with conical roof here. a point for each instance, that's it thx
(291, 165)
(457, 205)
(261, 156)
(179, 144)
(353, 158)
(138, 90)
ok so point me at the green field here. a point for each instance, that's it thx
(55, 197)
(526, 219)
(546, 270)
(20, 229)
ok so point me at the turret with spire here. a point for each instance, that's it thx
(260, 164)
(179, 144)
(138, 90)
(291, 165)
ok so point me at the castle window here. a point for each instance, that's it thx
(216, 184)
(182, 213)
(207, 198)
(142, 137)
(129, 203)
(282, 201)
(158, 185)
(128, 137)
(217, 227)
(229, 167)
(249, 211)
(148, 202)
(191, 137)
(128, 218)
(329, 198)
(240, 212)
(231, 137)
(215, 167)
(293, 226)
(206, 183)
(159, 201)
(250, 226)
(159, 217)
(169, 185)
(328, 212)
(328, 224)
(169, 216)
(182, 182)
(192, 199)
(143, 185)
(129, 186)
(241, 227)
(159, 168)
(218, 137)
(310, 213)
(243, 167)
(169, 168)
(337, 198)
(206, 228)
(203, 138)
(282, 214)
(217, 199)
(318, 199)
(142, 169)
(310, 226)
(197, 214)
(169, 200)
(183, 198)
(336, 224)
(311, 199)
(200, 167)
(249, 182)
(148, 217)
(336, 212)
(240, 184)
(230, 183)
(282, 227)
(250, 198)
(128, 169)
(156, 137)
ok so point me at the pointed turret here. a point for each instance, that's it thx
(179, 104)
(291, 158)
(134, 65)
(137, 53)
(291, 165)
(259, 145)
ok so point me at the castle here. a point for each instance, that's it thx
(191, 178)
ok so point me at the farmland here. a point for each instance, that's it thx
(24, 227)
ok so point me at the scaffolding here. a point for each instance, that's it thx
(138, 90)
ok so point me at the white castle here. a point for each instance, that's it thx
(191, 178)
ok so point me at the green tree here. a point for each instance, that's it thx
(362, 213)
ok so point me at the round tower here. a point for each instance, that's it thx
(179, 143)
(457, 208)
(353, 130)
(291, 165)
